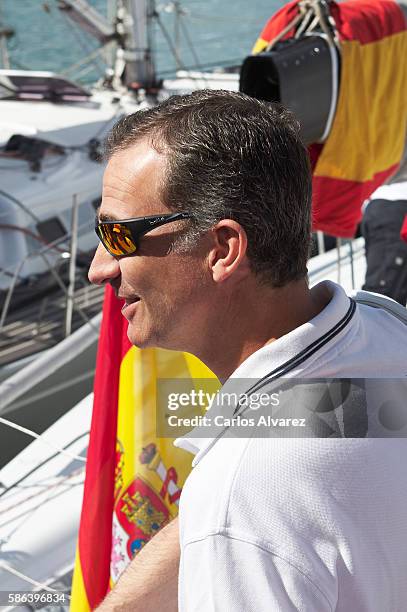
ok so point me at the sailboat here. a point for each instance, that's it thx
(51, 135)
(51, 167)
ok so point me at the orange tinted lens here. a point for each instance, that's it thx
(117, 238)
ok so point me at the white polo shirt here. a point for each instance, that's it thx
(302, 524)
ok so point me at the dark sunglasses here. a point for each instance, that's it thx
(122, 237)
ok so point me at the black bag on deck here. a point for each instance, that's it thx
(386, 252)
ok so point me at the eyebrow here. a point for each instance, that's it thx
(100, 217)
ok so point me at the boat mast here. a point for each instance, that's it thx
(134, 63)
(5, 34)
(136, 23)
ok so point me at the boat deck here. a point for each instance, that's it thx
(41, 324)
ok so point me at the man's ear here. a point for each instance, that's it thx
(228, 254)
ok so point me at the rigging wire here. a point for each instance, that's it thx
(11, 270)
(53, 489)
(189, 43)
(82, 73)
(33, 434)
(174, 51)
(82, 40)
(31, 511)
(49, 492)
(88, 58)
(39, 585)
(40, 465)
(20, 205)
(54, 388)
(168, 40)
(48, 246)
(61, 482)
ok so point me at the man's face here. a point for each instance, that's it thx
(166, 294)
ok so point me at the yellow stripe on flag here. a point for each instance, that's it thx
(259, 46)
(136, 425)
(150, 471)
(79, 599)
(372, 109)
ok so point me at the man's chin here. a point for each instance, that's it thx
(145, 341)
(138, 340)
(142, 340)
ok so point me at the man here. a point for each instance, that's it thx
(219, 270)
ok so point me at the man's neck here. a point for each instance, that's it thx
(256, 318)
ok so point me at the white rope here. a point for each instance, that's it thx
(284, 31)
(304, 24)
(334, 85)
(39, 437)
(313, 24)
(307, 8)
(35, 583)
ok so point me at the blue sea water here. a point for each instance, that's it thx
(220, 32)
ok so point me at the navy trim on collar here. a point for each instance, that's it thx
(295, 361)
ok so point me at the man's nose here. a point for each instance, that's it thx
(104, 267)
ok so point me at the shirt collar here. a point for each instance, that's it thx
(270, 357)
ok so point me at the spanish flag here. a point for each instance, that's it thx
(133, 479)
(366, 142)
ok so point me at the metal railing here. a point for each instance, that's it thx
(65, 292)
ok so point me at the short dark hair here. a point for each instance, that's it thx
(231, 156)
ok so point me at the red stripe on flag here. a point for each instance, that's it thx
(368, 20)
(336, 203)
(403, 231)
(363, 20)
(279, 20)
(95, 532)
